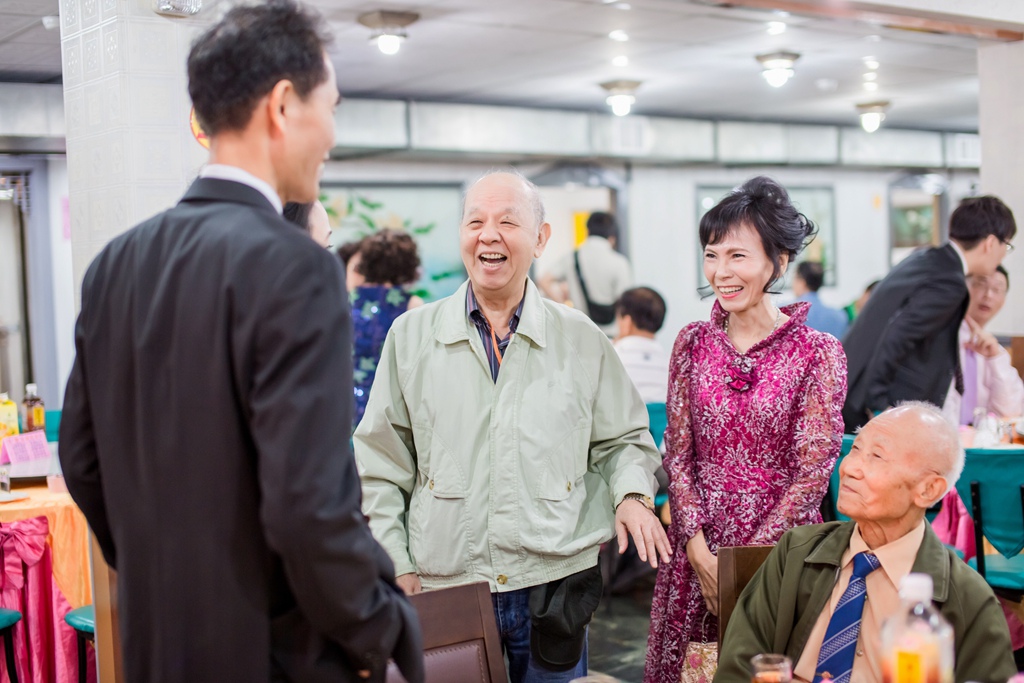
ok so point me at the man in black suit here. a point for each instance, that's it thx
(206, 421)
(903, 345)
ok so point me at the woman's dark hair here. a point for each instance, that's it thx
(644, 306)
(298, 213)
(764, 205)
(388, 256)
(348, 250)
(244, 55)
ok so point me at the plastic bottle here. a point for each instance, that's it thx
(8, 417)
(35, 412)
(917, 642)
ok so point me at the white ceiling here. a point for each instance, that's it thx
(694, 59)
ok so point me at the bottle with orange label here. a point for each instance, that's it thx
(917, 641)
(34, 415)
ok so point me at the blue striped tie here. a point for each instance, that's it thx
(835, 660)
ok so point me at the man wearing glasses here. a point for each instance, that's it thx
(990, 382)
(904, 344)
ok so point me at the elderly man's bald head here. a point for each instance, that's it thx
(902, 462)
(530, 193)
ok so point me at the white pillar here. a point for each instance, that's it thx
(130, 149)
(1001, 111)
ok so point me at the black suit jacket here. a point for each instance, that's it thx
(205, 436)
(903, 345)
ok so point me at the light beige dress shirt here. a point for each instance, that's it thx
(883, 600)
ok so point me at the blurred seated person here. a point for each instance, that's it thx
(347, 252)
(311, 217)
(902, 461)
(809, 278)
(990, 381)
(854, 308)
(639, 314)
(378, 274)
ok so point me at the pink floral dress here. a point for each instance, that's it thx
(752, 438)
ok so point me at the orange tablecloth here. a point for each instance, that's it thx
(68, 540)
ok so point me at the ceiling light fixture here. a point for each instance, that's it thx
(388, 28)
(776, 27)
(778, 67)
(870, 86)
(872, 114)
(871, 76)
(621, 60)
(50, 22)
(177, 8)
(871, 63)
(621, 95)
(619, 35)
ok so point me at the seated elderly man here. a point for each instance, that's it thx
(902, 462)
(474, 470)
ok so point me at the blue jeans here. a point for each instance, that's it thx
(512, 611)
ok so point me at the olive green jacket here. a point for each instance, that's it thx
(512, 482)
(781, 604)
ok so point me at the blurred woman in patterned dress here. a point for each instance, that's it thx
(754, 409)
(377, 274)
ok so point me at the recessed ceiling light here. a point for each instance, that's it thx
(776, 27)
(873, 38)
(870, 86)
(871, 64)
(619, 35)
(871, 76)
(622, 5)
(51, 22)
(621, 60)
(826, 84)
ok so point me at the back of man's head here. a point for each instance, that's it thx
(242, 57)
(644, 306)
(812, 273)
(978, 217)
(602, 224)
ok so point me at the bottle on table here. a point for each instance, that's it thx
(8, 417)
(34, 416)
(917, 641)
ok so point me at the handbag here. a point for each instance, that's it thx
(602, 314)
(700, 661)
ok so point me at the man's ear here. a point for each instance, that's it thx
(931, 490)
(277, 101)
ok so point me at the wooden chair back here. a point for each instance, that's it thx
(736, 567)
(460, 636)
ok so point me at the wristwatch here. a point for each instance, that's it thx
(640, 498)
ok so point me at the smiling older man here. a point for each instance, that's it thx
(501, 434)
(901, 463)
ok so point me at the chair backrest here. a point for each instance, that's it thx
(460, 636)
(992, 488)
(736, 567)
(833, 482)
(659, 421)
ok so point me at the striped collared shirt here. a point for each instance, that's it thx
(484, 328)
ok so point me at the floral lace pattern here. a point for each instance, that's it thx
(374, 309)
(752, 439)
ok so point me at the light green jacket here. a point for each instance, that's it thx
(514, 482)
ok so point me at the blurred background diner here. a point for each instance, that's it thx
(635, 119)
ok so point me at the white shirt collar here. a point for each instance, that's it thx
(238, 175)
(960, 253)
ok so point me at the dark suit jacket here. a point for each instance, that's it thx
(205, 436)
(903, 345)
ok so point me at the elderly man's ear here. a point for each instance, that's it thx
(930, 491)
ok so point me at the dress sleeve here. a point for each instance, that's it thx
(680, 460)
(817, 440)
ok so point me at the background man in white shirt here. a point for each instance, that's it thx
(989, 379)
(639, 314)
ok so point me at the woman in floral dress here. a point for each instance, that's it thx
(754, 408)
(377, 274)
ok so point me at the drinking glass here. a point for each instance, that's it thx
(771, 668)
